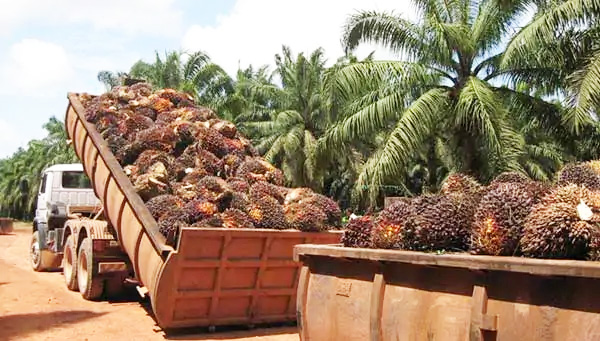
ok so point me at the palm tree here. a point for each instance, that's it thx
(20, 173)
(290, 118)
(441, 99)
(560, 49)
(194, 73)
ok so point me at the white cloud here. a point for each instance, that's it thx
(128, 17)
(35, 66)
(255, 30)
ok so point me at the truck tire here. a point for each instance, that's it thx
(90, 284)
(35, 253)
(70, 263)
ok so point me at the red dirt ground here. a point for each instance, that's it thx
(38, 306)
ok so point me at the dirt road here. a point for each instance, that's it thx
(38, 306)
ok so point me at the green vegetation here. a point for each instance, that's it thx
(20, 173)
(474, 89)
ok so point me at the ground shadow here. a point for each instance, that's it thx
(231, 332)
(19, 325)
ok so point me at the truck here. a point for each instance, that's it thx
(211, 277)
(64, 191)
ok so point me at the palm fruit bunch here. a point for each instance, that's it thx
(328, 206)
(462, 184)
(193, 169)
(164, 204)
(305, 217)
(358, 232)
(266, 212)
(499, 219)
(565, 224)
(510, 177)
(579, 174)
(266, 188)
(389, 225)
(439, 223)
(411, 230)
(234, 218)
(255, 169)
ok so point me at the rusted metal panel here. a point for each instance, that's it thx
(360, 294)
(222, 276)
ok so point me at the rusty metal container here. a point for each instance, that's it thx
(6, 225)
(365, 294)
(215, 276)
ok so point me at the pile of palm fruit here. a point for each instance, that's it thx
(512, 216)
(193, 169)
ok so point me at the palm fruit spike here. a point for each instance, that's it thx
(305, 217)
(231, 162)
(388, 226)
(558, 231)
(234, 218)
(200, 209)
(445, 226)
(263, 187)
(153, 183)
(149, 157)
(158, 138)
(572, 195)
(462, 184)
(579, 174)
(212, 164)
(225, 128)
(214, 184)
(186, 134)
(266, 212)
(298, 194)
(146, 111)
(163, 204)
(185, 191)
(211, 140)
(132, 123)
(214, 221)
(179, 99)
(240, 201)
(238, 184)
(328, 206)
(257, 169)
(358, 232)
(160, 105)
(194, 175)
(512, 177)
(419, 205)
(499, 219)
(594, 165)
(170, 224)
(234, 147)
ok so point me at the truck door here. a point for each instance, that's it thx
(44, 192)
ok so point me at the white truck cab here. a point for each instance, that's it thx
(65, 191)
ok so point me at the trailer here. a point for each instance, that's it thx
(370, 294)
(214, 276)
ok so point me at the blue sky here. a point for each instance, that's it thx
(48, 48)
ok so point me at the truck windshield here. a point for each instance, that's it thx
(75, 180)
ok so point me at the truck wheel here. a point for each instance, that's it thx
(90, 285)
(70, 263)
(35, 254)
